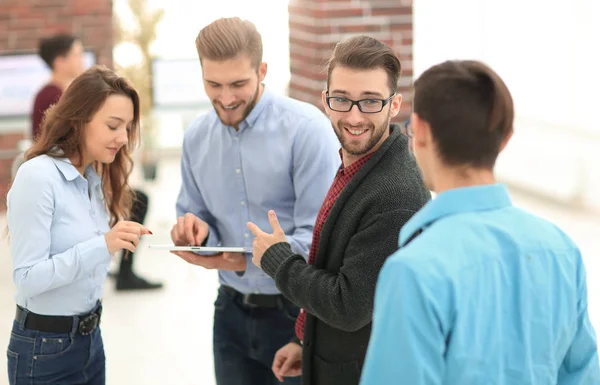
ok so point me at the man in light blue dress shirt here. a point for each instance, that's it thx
(255, 151)
(480, 292)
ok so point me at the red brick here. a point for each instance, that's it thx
(299, 10)
(299, 59)
(310, 53)
(315, 73)
(42, 3)
(402, 28)
(310, 28)
(297, 84)
(310, 44)
(9, 141)
(24, 22)
(338, 13)
(359, 28)
(391, 11)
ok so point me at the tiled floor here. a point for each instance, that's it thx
(165, 337)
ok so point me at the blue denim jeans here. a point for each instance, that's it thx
(246, 338)
(36, 357)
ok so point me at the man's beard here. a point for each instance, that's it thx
(371, 142)
(249, 106)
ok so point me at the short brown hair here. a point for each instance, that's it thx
(364, 53)
(64, 124)
(226, 38)
(469, 109)
(52, 47)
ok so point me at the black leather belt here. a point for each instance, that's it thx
(256, 300)
(59, 324)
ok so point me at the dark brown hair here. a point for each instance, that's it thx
(469, 109)
(365, 53)
(64, 125)
(226, 38)
(52, 47)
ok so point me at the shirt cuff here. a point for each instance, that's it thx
(251, 269)
(211, 239)
(93, 253)
(274, 257)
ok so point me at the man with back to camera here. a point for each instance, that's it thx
(480, 292)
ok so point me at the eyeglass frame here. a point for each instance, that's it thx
(384, 102)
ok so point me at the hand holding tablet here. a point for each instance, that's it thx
(202, 249)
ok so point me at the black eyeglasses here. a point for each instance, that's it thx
(366, 106)
(407, 129)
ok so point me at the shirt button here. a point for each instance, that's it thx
(237, 170)
(246, 235)
(243, 203)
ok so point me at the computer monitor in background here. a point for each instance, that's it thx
(177, 83)
(21, 76)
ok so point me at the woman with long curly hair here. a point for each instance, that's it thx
(65, 217)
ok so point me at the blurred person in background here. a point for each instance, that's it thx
(63, 54)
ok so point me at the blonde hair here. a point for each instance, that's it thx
(226, 38)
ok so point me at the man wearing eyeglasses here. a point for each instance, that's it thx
(377, 189)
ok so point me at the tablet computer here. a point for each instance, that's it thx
(202, 249)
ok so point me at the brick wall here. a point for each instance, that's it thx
(316, 25)
(24, 22)
(8, 141)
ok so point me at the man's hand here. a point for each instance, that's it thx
(288, 361)
(189, 231)
(224, 261)
(263, 240)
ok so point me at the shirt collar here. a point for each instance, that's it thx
(264, 100)
(70, 173)
(65, 166)
(457, 201)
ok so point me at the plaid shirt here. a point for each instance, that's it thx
(344, 175)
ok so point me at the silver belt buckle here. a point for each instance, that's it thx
(88, 324)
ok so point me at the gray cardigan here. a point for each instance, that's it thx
(360, 232)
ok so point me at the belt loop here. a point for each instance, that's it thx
(75, 326)
(22, 317)
(246, 301)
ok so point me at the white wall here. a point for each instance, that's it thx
(548, 53)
